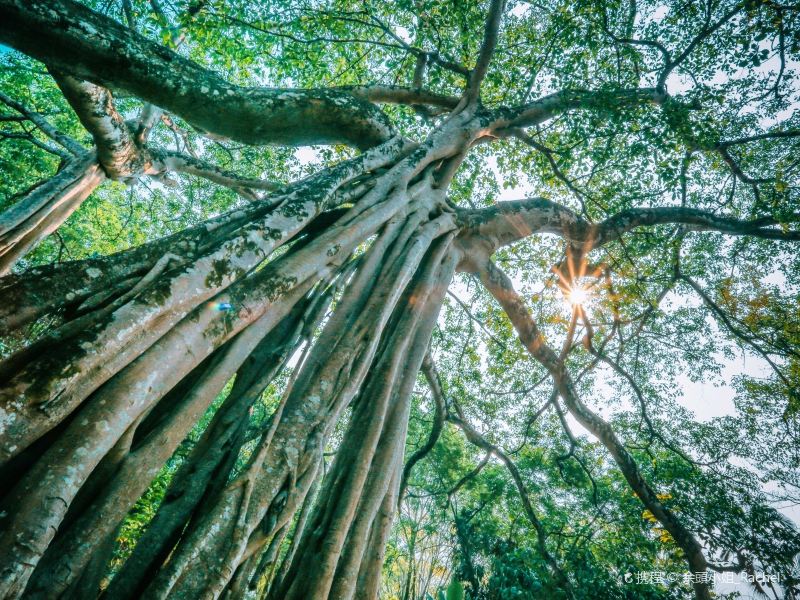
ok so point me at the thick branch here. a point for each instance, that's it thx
(767, 135)
(90, 46)
(508, 222)
(547, 107)
(396, 94)
(45, 208)
(699, 220)
(94, 105)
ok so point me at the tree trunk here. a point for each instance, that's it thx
(103, 381)
(206, 471)
(44, 209)
(71, 549)
(370, 458)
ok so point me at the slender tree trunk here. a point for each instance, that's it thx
(325, 384)
(369, 574)
(300, 527)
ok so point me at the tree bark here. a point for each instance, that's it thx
(66, 556)
(40, 394)
(127, 387)
(371, 456)
(117, 153)
(44, 209)
(207, 469)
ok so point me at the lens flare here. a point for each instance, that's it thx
(577, 295)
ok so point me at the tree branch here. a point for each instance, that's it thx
(704, 33)
(768, 135)
(510, 221)
(699, 220)
(475, 438)
(545, 108)
(746, 338)
(472, 474)
(395, 94)
(94, 105)
(175, 161)
(44, 125)
(431, 56)
(617, 367)
(32, 139)
(488, 46)
(500, 286)
(90, 46)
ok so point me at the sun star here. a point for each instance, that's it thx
(577, 295)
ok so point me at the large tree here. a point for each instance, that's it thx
(282, 317)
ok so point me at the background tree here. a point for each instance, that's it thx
(212, 343)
